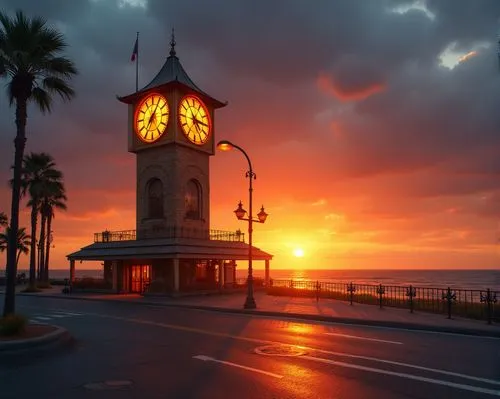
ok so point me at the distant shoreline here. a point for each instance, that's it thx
(470, 279)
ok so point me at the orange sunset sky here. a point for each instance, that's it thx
(373, 126)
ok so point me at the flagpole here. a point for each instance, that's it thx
(137, 66)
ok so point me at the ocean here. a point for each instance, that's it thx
(465, 279)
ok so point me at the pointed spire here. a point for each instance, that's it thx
(172, 44)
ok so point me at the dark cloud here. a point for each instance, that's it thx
(347, 97)
(466, 22)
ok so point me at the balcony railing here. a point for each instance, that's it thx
(109, 236)
(172, 232)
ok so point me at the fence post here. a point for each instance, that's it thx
(450, 296)
(411, 292)
(380, 292)
(489, 299)
(351, 288)
(318, 287)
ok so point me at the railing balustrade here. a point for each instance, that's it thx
(172, 232)
(476, 304)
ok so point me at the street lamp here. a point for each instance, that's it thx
(240, 213)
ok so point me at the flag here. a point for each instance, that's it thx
(135, 52)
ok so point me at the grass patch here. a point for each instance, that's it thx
(12, 325)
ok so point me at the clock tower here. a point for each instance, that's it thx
(171, 128)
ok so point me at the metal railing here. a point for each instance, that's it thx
(476, 304)
(109, 236)
(173, 232)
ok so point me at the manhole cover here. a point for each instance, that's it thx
(279, 350)
(108, 385)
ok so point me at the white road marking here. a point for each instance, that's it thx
(314, 322)
(413, 366)
(263, 341)
(36, 321)
(70, 314)
(58, 316)
(405, 375)
(351, 325)
(363, 338)
(42, 318)
(240, 366)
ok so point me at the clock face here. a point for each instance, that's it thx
(194, 120)
(151, 118)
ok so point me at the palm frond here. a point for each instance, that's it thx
(58, 86)
(30, 57)
(60, 66)
(23, 240)
(42, 99)
(3, 219)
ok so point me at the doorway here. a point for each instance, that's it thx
(140, 278)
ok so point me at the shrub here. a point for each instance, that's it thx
(12, 325)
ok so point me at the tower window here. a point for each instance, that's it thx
(155, 199)
(193, 200)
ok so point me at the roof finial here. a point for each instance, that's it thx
(172, 44)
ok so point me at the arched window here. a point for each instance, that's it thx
(193, 200)
(155, 199)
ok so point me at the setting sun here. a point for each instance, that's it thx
(298, 252)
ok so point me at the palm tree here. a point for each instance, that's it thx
(57, 200)
(3, 219)
(53, 196)
(39, 175)
(30, 58)
(23, 242)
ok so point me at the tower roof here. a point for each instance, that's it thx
(172, 72)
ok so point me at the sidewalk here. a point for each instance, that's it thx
(304, 308)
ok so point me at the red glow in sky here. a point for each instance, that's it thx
(368, 153)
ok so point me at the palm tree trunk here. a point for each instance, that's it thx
(17, 257)
(47, 251)
(38, 262)
(34, 220)
(11, 270)
(42, 246)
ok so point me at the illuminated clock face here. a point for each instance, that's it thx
(151, 118)
(194, 120)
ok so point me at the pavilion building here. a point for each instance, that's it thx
(171, 130)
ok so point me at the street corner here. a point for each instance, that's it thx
(38, 340)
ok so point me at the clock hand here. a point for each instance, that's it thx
(202, 123)
(196, 124)
(153, 115)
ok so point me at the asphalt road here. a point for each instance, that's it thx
(137, 351)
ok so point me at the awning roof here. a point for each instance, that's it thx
(168, 248)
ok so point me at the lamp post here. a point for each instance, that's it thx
(225, 145)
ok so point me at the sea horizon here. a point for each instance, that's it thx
(473, 279)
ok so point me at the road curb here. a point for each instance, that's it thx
(302, 316)
(36, 346)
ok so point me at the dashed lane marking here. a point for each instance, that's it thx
(308, 349)
(240, 366)
(363, 338)
(463, 387)
(54, 314)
